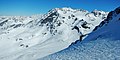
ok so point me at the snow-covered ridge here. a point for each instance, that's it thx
(37, 36)
(110, 17)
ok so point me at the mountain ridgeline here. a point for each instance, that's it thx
(33, 36)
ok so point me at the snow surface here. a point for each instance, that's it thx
(33, 37)
(100, 49)
(102, 44)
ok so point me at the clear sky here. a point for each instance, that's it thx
(30, 7)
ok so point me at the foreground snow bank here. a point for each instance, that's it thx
(100, 49)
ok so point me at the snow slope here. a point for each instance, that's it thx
(102, 44)
(33, 37)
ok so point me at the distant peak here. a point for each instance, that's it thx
(66, 9)
(62, 9)
(99, 11)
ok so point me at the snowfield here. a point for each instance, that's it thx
(100, 49)
(37, 36)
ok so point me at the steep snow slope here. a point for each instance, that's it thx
(29, 38)
(102, 44)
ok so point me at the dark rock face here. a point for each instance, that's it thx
(117, 10)
(109, 17)
(18, 25)
(76, 29)
(95, 28)
(2, 23)
(12, 25)
(72, 15)
(49, 18)
(84, 25)
(96, 13)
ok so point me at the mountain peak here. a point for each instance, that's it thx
(99, 12)
(66, 9)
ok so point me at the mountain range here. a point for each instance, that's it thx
(61, 34)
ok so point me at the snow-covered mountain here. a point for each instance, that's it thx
(33, 37)
(102, 44)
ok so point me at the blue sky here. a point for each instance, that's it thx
(30, 7)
